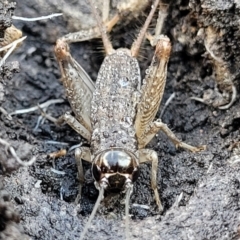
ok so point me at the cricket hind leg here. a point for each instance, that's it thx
(78, 85)
(105, 25)
(152, 88)
(137, 43)
(162, 14)
(152, 92)
(92, 33)
(155, 79)
(102, 28)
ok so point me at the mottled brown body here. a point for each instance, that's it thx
(113, 107)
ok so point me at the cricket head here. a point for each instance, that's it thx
(115, 168)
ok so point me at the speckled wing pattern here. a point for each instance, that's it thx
(114, 107)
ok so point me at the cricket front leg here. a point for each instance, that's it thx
(85, 154)
(148, 155)
(158, 125)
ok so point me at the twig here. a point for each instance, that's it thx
(57, 171)
(37, 18)
(57, 143)
(47, 116)
(40, 118)
(74, 147)
(14, 154)
(233, 98)
(172, 96)
(4, 112)
(58, 154)
(32, 109)
(12, 46)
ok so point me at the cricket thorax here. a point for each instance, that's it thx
(113, 108)
(115, 168)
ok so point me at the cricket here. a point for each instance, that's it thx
(116, 113)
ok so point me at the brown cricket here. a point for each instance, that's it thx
(116, 113)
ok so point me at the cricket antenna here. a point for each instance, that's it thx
(128, 194)
(106, 42)
(137, 43)
(100, 197)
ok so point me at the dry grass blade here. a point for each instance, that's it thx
(14, 154)
(32, 109)
(11, 47)
(37, 18)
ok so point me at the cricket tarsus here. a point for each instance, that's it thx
(116, 114)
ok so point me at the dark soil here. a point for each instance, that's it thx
(200, 192)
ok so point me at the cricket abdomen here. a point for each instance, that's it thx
(113, 107)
